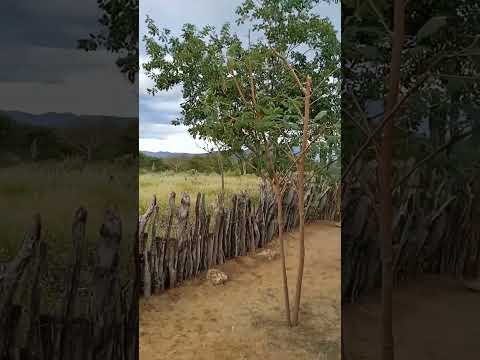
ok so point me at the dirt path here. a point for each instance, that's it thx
(244, 319)
(435, 318)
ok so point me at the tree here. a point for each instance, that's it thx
(386, 207)
(434, 58)
(119, 34)
(299, 161)
(240, 96)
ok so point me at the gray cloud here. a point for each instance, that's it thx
(55, 24)
(41, 69)
(158, 131)
(50, 65)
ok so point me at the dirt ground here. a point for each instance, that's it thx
(244, 319)
(434, 317)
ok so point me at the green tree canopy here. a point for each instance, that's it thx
(243, 96)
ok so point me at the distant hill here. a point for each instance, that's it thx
(66, 120)
(166, 154)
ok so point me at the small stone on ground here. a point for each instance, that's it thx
(217, 277)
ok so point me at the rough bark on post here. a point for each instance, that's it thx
(161, 246)
(182, 233)
(226, 235)
(11, 278)
(203, 234)
(188, 255)
(153, 249)
(143, 221)
(171, 205)
(256, 230)
(106, 287)
(171, 244)
(251, 218)
(242, 224)
(149, 259)
(206, 234)
(220, 241)
(172, 262)
(235, 220)
(72, 283)
(196, 243)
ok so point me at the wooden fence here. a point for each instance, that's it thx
(201, 241)
(103, 324)
(98, 318)
(433, 233)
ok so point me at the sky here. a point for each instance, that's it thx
(42, 71)
(157, 112)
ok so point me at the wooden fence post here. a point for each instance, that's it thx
(106, 287)
(182, 234)
(11, 279)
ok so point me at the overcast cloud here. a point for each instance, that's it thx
(157, 112)
(42, 71)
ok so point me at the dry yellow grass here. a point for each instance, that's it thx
(55, 193)
(162, 184)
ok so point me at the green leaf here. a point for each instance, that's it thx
(431, 27)
(320, 116)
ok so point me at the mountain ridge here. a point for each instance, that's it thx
(65, 120)
(167, 154)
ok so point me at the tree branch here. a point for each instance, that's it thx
(239, 89)
(450, 143)
(390, 115)
(291, 69)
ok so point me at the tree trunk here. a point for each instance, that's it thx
(301, 201)
(386, 153)
(278, 198)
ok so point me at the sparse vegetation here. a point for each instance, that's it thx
(162, 183)
(55, 190)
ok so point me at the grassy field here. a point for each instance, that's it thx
(162, 183)
(56, 192)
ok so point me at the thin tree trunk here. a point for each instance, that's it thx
(278, 198)
(301, 201)
(386, 154)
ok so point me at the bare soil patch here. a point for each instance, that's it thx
(434, 317)
(244, 318)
